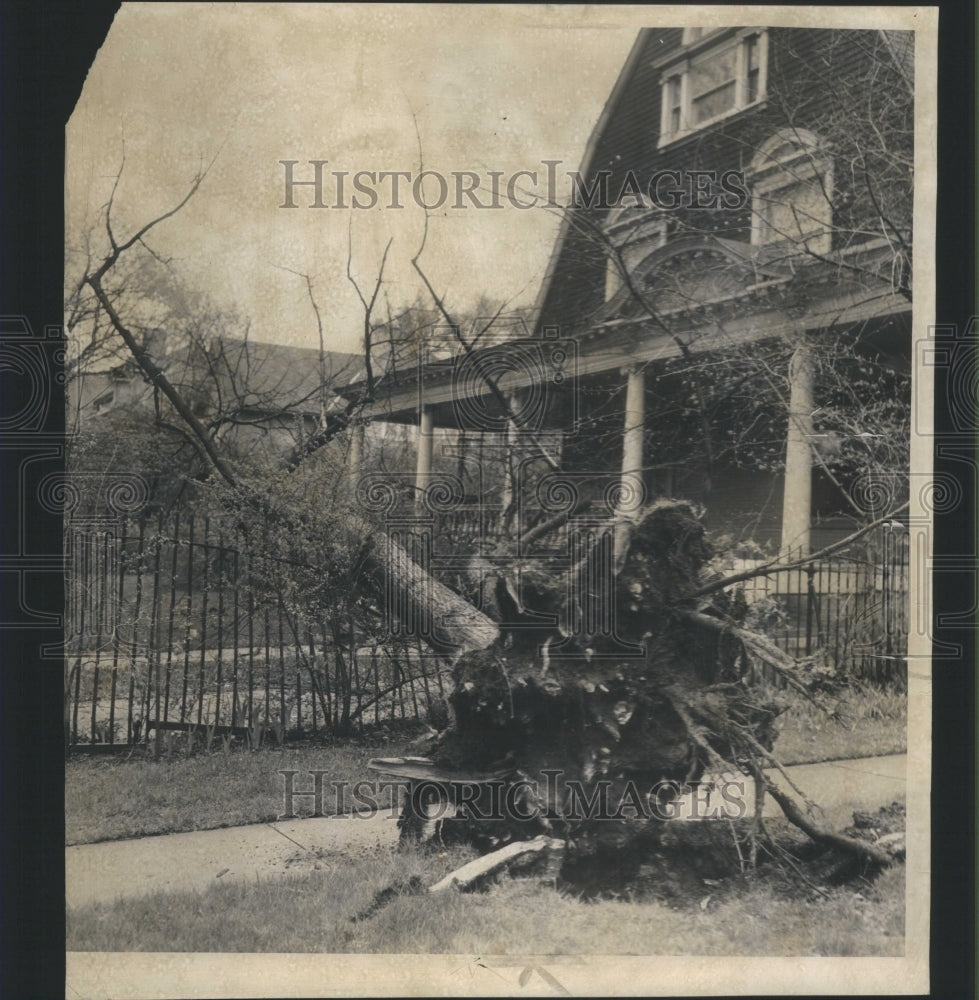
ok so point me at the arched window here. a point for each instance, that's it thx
(791, 180)
(634, 228)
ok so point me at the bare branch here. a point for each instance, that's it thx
(809, 826)
(774, 566)
(158, 379)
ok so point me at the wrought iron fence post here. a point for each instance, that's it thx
(810, 605)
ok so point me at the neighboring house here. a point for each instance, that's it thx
(250, 394)
(744, 201)
(113, 382)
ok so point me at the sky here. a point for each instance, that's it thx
(243, 87)
(365, 87)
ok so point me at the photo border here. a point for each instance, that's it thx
(44, 71)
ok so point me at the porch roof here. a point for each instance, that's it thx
(772, 298)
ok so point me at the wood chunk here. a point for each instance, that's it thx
(469, 875)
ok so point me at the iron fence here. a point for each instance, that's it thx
(171, 629)
(851, 607)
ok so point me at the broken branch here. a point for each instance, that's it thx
(470, 874)
(820, 834)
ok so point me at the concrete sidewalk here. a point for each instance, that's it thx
(838, 787)
(183, 861)
(193, 861)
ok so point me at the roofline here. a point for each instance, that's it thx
(625, 74)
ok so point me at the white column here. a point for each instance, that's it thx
(797, 494)
(632, 432)
(355, 454)
(511, 458)
(423, 467)
(631, 480)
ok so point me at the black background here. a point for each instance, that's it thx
(47, 49)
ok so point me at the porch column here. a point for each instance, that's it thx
(631, 480)
(797, 494)
(355, 454)
(510, 456)
(423, 466)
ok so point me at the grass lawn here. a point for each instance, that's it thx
(112, 798)
(870, 723)
(380, 905)
(109, 798)
(331, 902)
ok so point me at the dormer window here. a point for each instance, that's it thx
(713, 81)
(717, 74)
(791, 181)
(634, 229)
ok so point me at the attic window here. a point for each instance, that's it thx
(716, 77)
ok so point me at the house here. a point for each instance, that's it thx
(726, 314)
(252, 395)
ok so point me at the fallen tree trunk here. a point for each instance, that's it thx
(633, 687)
(420, 605)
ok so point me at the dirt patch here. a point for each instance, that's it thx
(872, 826)
(319, 858)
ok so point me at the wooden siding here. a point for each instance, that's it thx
(816, 77)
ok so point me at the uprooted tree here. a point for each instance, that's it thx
(651, 701)
(624, 671)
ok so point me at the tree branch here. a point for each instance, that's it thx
(820, 834)
(158, 379)
(773, 565)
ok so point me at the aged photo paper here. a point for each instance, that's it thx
(472, 408)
